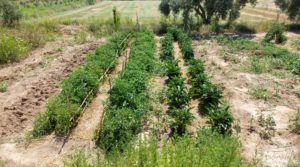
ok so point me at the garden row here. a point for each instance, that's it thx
(128, 97)
(79, 88)
(208, 94)
(177, 93)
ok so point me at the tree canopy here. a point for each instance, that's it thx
(205, 9)
(291, 7)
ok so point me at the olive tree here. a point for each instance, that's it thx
(205, 9)
(291, 7)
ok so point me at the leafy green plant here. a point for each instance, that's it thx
(3, 86)
(295, 125)
(178, 97)
(173, 70)
(10, 12)
(78, 85)
(211, 96)
(196, 67)
(268, 124)
(11, 49)
(128, 100)
(220, 119)
(276, 32)
(167, 47)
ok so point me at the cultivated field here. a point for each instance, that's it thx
(83, 88)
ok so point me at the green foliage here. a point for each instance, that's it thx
(56, 118)
(63, 111)
(291, 7)
(220, 119)
(90, 2)
(205, 9)
(184, 41)
(295, 125)
(178, 97)
(296, 44)
(78, 85)
(261, 93)
(208, 149)
(173, 70)
(11, 48)
(167, 47)
(276, 32)
(10, 12)
(119, 127)
(182, 117)
(3, 86)
(128, 99)
(211, 96)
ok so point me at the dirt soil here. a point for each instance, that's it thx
(52, 150)
(33, 80)
(283, 147)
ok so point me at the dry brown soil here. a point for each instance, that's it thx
(284, 145)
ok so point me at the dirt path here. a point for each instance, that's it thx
(284, 145)
(45, 152)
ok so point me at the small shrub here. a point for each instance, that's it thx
(173, 70)
(3, 86)
(211, 96)
(167, 47)
(220, 119)
(276, 32)
(10, 12)
(268, 124)
(90, 2)
(119, 127)
(11, 49)
(182, 118)
(295, 126)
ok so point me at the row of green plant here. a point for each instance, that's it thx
(265, 57)
(177, 93)
(209, 94)
(208, 149)
(128, 98)
(78, 89)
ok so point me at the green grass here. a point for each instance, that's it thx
(33, 11)
(261, 93)
(12, 49)
(3, 86)
(296, 44)
(263, 57)
(206, 150)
